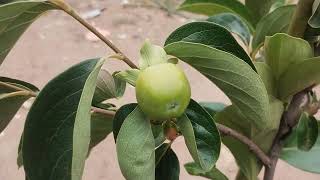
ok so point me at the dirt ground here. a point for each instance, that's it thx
(56, 41)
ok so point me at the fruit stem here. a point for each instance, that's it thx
(69, 10)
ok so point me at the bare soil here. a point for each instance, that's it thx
(56, 41)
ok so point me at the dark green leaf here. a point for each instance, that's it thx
(22, 84)
(307, 132)
(234, 24)
(108, 87)
(201, 135)
(167, 166)
(275, 22)
(213, 7)
(214, 174)
(120, 116)
(283, 50)
(307, 161)
(234, 77)
(314, 21)
(298, 77)
(135, 147)
(259, 8)
(212, 107)
(13, 93)
(209, 34)
(57, 130)
(101, 127)
(15, 18)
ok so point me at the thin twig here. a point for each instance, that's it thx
(251, 145)
(69, 10)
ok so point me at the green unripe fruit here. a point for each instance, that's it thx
(163, 91)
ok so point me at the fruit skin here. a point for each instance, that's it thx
(163, 91)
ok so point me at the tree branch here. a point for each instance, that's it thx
(69, 10)
(288, 120)
(251, 145)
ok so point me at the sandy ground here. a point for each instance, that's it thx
(56, 42)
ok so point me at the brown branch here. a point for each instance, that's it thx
(288, 120)
(69, 10)
(251, 145)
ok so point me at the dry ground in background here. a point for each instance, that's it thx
(55, 42)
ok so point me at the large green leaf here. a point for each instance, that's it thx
(307, 132)
(108, 87)
(234, 77)
(210, 34)
(234, 24)
(307, 161)
(15, 18)
(57, 130)
(213, 7)
(267, 77)
(298, 77)
(247, 161)
(201, 135)
(282, 50)
(135, 147)
(167, 163)
(275, 22)
(214, 173)
(13, 93)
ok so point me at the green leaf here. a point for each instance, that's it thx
(121, 114)
(267, 77)
(298, 77)
(151, 55)
(233, 118)
(259, 8)
(135, 147)
(209, 34)
(275, 22)
(282, 50)
(167, 166)
(201, 135)
(15, 18)
(213, 7)
(57, 130)
(307, 161)
(234, 24)
(130, 76)
(234, 77)
(13, 93)
(212, 107)
(108, 87)
(214, 173)
(307, 132)
(101, 127)
(158, 133)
